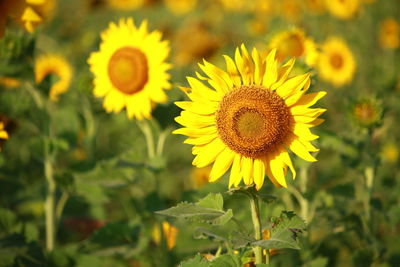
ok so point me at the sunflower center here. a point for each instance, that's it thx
(336, 61)
(128, 70)
(253, 121)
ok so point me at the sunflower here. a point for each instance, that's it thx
(336, 62)
(130, 69)
(389, 36)
(126, 4)
(249, 117)
(54, 64)
(343, 9)
(26, 12)
(3, 133)
(294, 43)
(180, 7)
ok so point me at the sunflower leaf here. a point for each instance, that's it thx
(226, 260)
(208, 210)
(197, 261)
(284, 232)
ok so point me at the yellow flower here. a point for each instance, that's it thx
(294, 43)
(169, 231)
(193, 43)
(200, 176)
(180, 7)
(390, 152)
(23, 11)
(9, 82)
(343, 9)
(389, 36)
(235, 5)
(368, 112)
(290, 9)
(316, 6)
(130, 69)
(3, 133)
(54, 64)
(126, 4)
(336, 62)
(249, 117)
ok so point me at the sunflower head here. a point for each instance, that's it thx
(336, 63)
(294, 43)
(389, 35)
(57, 65)
(343, 9)
(247, 117)
(368, 112)
(130, 69)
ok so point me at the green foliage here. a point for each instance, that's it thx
(208, 210)
(284, 232)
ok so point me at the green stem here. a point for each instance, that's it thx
(255, 215)
(145, 127)
(60, 205)
(50, 200)
(369, 180)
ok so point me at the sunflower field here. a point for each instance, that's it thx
(199, 133)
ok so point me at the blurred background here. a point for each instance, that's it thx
(108, 188)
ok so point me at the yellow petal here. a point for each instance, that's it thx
(315, 122)
(247, 170)
(283, 73)
(196, 107)
(284, 156)
(196, 132)
(202, 140)
(277, 170)
(217, 72)
(310, 147)
(303, 132)
(208, 153)
(199, 88)
(259, 67)
(269, 173)
(300, 150)
(193, 120)
(235, 175)
(310, 99)
(3, 135)
(308, 112)
(232, 71)
(222, 163)
(271, 72)
(293, 85)
(259, 173)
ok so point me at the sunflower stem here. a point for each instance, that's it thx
(145, 128)
(255, 215)
(50, 199)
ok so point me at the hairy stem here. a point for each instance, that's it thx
(255, 215)
(145, 128)
(50, 200)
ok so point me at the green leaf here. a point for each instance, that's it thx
(203, 233)
(197, 261)
(226, 260)
(284, 232)
(241, 240)
(208, 210)
(7, 220)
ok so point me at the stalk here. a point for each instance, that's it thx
(255, 215)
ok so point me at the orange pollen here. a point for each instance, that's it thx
(253, 121)
(336, 61)
(128, 70)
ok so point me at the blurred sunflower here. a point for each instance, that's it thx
(130, 69)
(290, 9)
(316, 6)
(169, 231)
(9, 82)
(54, 64)
(199, 176)
(343, 9)
(252, 114)
(235, 5)
(390, 152)
(389, 36)
(26, 12)
(180, 7)
(194, 42)
(336, 62)
(126, 4)
(294, 43)
(3, 133)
